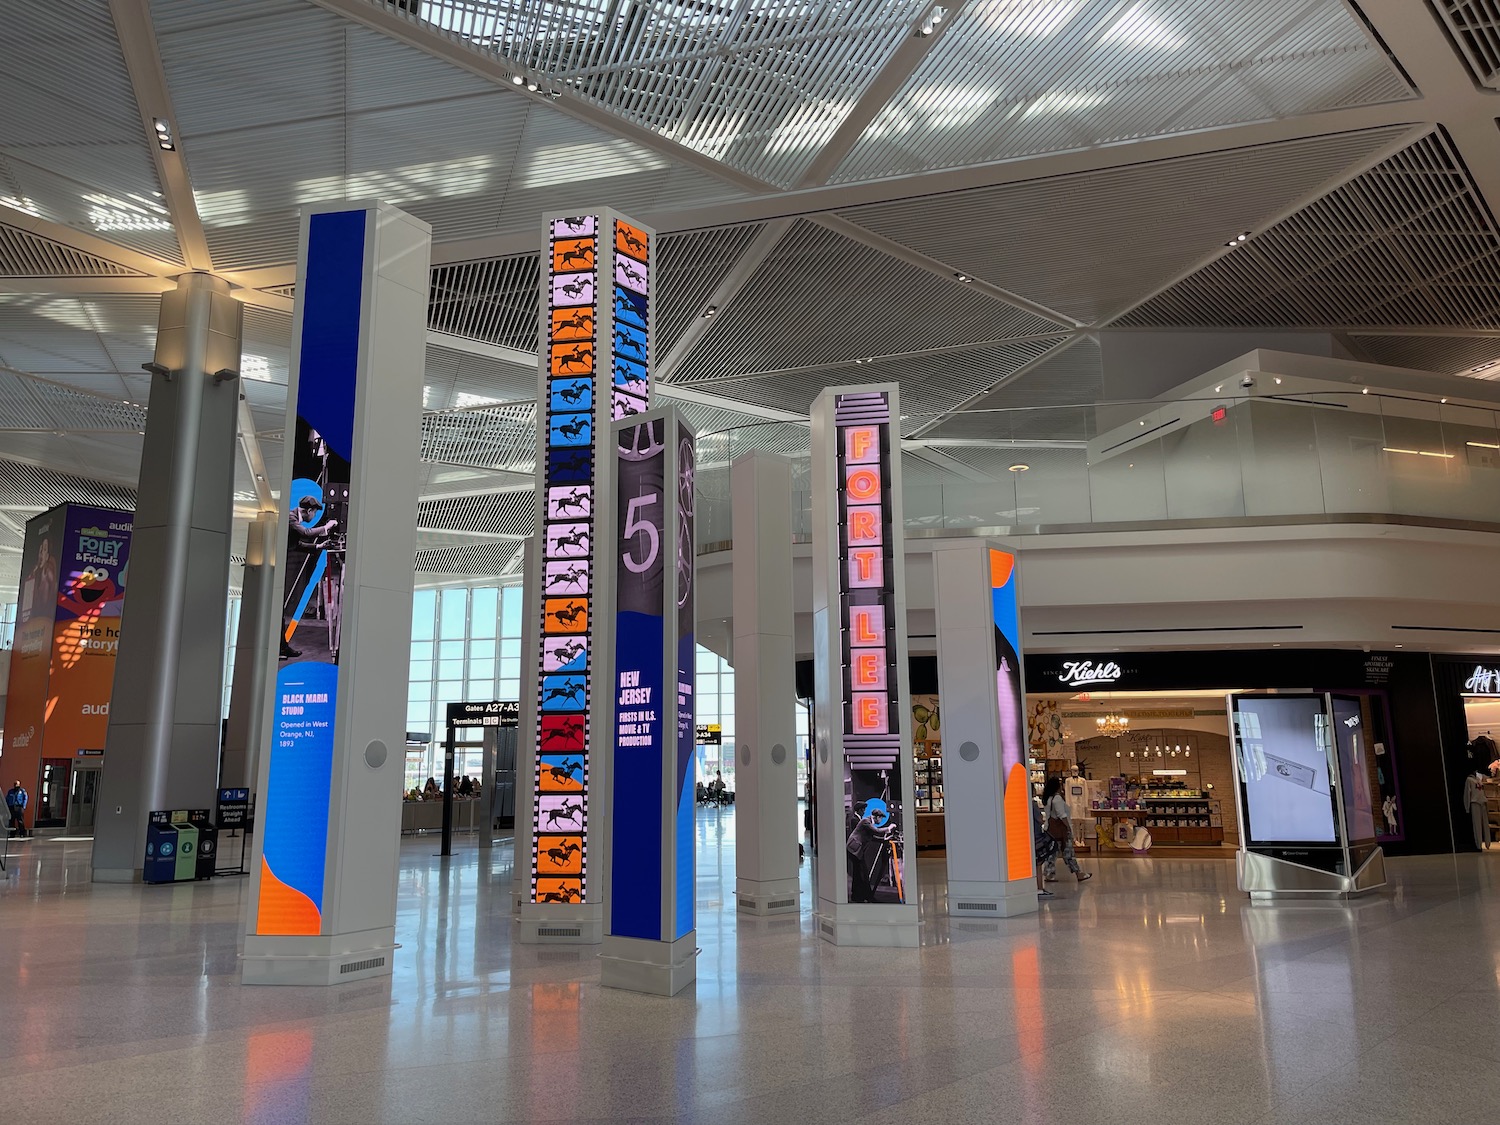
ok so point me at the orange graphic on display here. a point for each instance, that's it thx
(573, 359)
(566, 615)
(561, 773)
(558, 890)
(1001, 564)
(572, 254)
(283, 910)
(572, 324)
(631, 240)
(559, 855)
(1018, 856)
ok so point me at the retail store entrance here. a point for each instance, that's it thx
(1143, 771)
(1143, 741)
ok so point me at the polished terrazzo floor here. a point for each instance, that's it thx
(1155, 994)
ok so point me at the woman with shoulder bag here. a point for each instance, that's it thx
(1060, 829)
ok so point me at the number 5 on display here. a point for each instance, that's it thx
(635, 525)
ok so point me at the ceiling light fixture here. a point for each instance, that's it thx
(532, 86)
(712, 310)
(518, 80)
(930, 24)
(1113, 726)
(1482, 445)
(1415, 452)
(965, 278)
(163, 134)
(1018, 467)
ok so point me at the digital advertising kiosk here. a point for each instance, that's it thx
(1304, 789)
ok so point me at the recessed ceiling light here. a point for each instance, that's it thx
(161, 127)
(1442, 400)
(712, 310)
(965, 278)
(1365, 391)
(518, 80)
(1018, 467)
(531, 86)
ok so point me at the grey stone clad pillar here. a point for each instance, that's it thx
(259, 614)
(162, 749)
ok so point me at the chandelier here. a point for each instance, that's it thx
(1112, 725)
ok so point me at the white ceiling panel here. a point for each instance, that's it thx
(1408, 243)
(1013, 78)
(1086, 244)
(820, 298)
(759, 85)
(71, 138)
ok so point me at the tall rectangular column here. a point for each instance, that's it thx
(987, 807)
(765, 690)
(866, 887)
(162, 750)
(650, 941)
(323, 884)
(594, 368)
(244, 734)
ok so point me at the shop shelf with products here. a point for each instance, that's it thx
(1184, 817)
(928, 776)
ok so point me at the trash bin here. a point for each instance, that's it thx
(208, 851)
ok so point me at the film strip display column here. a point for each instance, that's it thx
(866, 885)
(594, 368)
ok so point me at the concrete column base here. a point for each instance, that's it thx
(871, 925)
(992, 900)
(547, 924)
(767, 896)
(320, 960)
(660, 968)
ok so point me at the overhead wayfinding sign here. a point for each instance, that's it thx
(502, 713)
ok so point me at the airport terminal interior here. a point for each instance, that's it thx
(941, 557)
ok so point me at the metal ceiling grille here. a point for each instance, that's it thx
(1012, 78)
(1091, 243)
(281, 104)
(72, 145)
(689, 268)
(1475, 26)
(27, 403)
(1475, 356)
(23, 254)
(820, 298)
(496, 437)
(494, 300)
(478, 560)
(759, 85)
(1408, 243)
(1046, 402)
(504, 513)
(25, 486)
(930, 383)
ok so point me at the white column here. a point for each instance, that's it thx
(322, 906)
(867, 895)
(765, 690)
(986, 792)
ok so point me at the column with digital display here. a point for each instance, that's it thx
(986, 792)
(595, 368)
(866, 882)
(650, 943)
(323, 891)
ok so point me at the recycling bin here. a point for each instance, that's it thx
(187, 852)
(161, 851)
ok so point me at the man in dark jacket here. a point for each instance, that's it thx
(15, 804)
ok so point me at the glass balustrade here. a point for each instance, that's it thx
(1302, 457)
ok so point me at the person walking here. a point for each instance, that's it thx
(1055, 809)
(16, 800)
